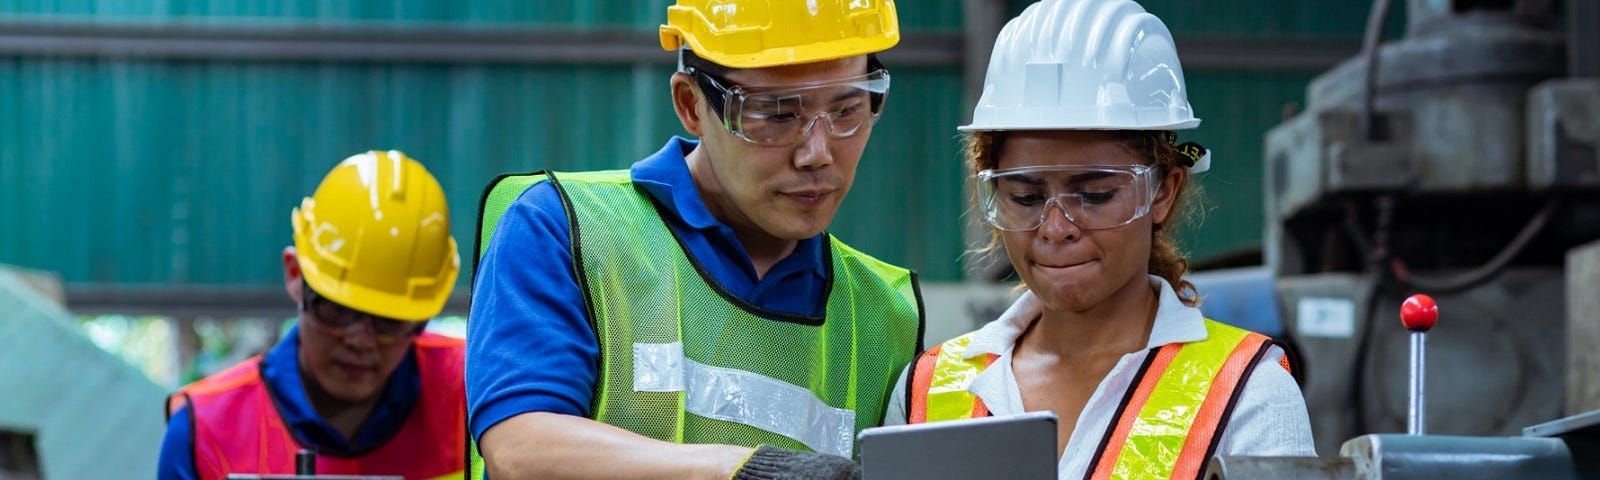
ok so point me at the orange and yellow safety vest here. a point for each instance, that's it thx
(1168, 423)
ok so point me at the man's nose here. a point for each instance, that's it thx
(362, 334)
(813, 152)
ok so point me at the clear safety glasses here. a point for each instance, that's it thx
(783, 115)
(1091, 197)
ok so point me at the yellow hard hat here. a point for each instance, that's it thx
(765, 33)
(375, 237)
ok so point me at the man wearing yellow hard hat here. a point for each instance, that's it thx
(357, 382)
(689, 317)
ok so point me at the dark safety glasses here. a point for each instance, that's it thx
(338, 320)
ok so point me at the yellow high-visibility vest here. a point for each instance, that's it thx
(1169, 422)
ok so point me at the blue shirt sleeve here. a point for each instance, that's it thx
(177, 449)
(529, 344)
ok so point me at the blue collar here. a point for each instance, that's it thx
(665, 176)
(280, 369)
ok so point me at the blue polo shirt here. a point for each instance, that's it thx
(280, 369)
(529, 344)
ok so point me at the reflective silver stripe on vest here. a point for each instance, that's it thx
(743, 397)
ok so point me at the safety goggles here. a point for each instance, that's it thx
(338, 320)
(783, 115)
(1091, 197)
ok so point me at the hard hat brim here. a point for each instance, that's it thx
(992, 127)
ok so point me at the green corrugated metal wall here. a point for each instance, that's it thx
(183, 172)
(1260, 18)
(132, 172)
(1236, 109)
(915, 15)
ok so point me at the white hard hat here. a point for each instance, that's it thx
(1084, 65)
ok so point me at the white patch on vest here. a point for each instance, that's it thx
(743, 397)
(658, 367)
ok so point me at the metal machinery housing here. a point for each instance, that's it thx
(1460, 161)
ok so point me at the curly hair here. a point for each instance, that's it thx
(1166, 260)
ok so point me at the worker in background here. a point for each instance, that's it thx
(357, 381)
(1078, 172)
(689, 317)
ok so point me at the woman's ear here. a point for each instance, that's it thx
(1167, 196)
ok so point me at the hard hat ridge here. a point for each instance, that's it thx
(1084, 64)
(375, 237)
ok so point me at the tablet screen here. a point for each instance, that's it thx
(1018, 446)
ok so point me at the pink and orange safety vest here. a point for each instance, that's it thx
(237, 428)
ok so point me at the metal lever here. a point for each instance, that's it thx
(1418, 313)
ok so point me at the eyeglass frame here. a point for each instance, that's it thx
(1143, 172)
(721, 99)
(309, 295)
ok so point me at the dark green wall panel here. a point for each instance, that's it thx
(1271, 18)
(906, 202)
(1236, 109)
(634, 14)
(184, 172)
(1262, 18)
(170, 172)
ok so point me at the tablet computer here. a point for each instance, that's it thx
(1018, 446)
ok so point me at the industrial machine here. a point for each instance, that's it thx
(1461, 161)
(1562, 449)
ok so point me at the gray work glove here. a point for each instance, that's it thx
(773, 463)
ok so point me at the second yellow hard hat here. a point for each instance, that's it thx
(375, 237)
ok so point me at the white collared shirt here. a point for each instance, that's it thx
(1269, 420)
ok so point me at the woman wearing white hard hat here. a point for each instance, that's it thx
(1077, 170)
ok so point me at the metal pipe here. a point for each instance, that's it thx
(1302, 468)
(1472, 278)
(1408, 457)
(1416, 418)
(267, 303)
(1583, 38)
(1369, 49)
(305, 463)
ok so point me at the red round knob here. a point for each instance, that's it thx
(1419, 312)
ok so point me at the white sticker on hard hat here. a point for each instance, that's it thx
(1042, 84)
(1202, 165)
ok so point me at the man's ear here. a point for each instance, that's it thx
(291, 274)
(1171, 184)
(686, 102)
